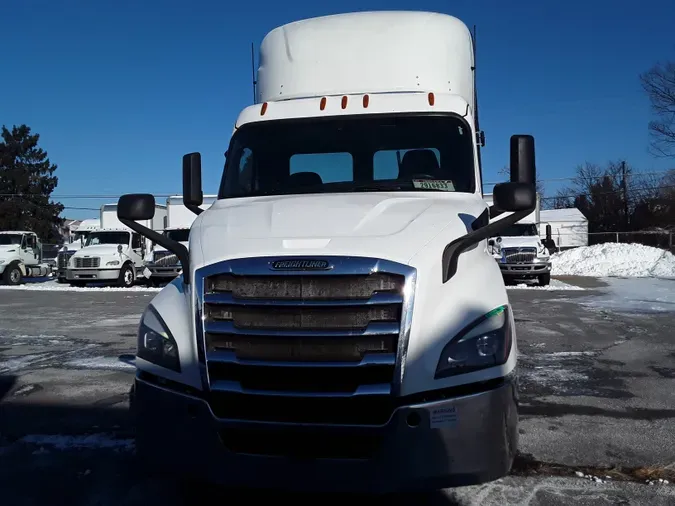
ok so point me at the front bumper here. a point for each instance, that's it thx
(533, 269)
(92, 274)
(165, 272)
(458, 441)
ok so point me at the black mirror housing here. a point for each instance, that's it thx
(523, 168)
(514, 197)
(192, 180)
(136, 207)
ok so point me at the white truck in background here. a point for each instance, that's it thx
(77, 238)
(163, 265)
(21, 257)
(339, 322)
(114, 252)
(518, 249)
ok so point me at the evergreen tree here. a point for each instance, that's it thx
(26, 182)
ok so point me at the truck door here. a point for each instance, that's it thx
(29, 252)
(137, 249)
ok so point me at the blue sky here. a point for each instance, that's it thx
(120, 90)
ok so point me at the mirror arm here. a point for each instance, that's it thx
(494, 212)
(460, 245)
(175, 247)
(195, 209)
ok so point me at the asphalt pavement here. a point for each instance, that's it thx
(596, 399)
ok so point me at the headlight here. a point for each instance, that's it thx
(114, 262)
(155, 342)
(484, 343)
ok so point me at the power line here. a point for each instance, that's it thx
(620, 190)
(590, 177)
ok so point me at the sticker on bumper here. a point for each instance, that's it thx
(443, 418)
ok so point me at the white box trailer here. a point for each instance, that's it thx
(114, 253)
(569, 227)
(336, 304)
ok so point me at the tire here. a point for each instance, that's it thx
(12, 275)
(127, 277)
(77, 284)
(544, 279)
(61, 280)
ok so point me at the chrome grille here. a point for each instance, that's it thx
(519, 255)
(164, 259)
(87, 263)
(63, 257)
(330, 344)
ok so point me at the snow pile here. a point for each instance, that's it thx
(53, 286)
(554, 286)
(614, 260)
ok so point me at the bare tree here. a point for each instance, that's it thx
(659, 84)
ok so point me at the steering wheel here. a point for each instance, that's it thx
(422, 176)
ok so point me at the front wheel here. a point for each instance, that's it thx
(544, 279)
(126, 278)
(12, 275)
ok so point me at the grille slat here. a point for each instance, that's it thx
(373, 329)
(325, 341)
(520, 255)
(87, 263)
(164, 259)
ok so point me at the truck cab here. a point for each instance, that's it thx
(20, 257)
(518, 249)
(339, 323)
(77, 239)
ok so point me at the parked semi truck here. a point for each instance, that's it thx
(78, 238)
(339, 322)
(21, 257)
(113, 253)
(518, 249)
(163, 265)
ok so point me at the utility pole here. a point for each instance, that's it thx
(624, 186)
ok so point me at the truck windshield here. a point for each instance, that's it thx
(366, 153)
(8, 239)
(182, 235)
(96, 238)
(520, 229)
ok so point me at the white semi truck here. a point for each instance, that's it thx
(339, 322)
(518, 249)
(77, 238)
(21, 257)
(113, 253)
(163, 264)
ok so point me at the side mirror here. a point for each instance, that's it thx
(549, 233)
(120, 248)
(491, 242)
(514, 197)
(192, 180)
(136, 207)
(523, 169)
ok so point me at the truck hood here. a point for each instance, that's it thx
(74, 246)
(6, 248)
(521, 242)
(99, 250)
(394, 226)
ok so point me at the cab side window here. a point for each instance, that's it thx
(136, 241)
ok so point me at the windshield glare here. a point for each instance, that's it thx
(360, 153)
(182, 235)
(107, 238)
(8, 239)
(519, 230)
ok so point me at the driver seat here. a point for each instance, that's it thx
(419, 161)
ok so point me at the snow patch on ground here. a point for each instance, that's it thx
(53, 286)
(555, 285)
(63, 442)
(101, 363)
(614, 260)
(645, 296)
